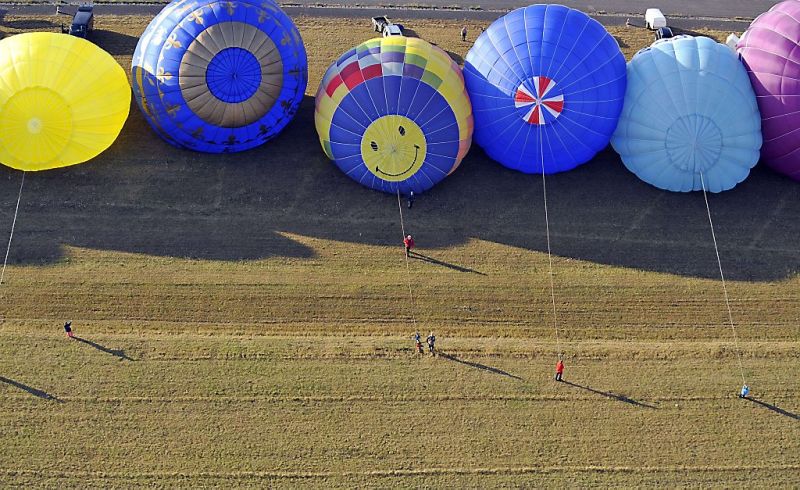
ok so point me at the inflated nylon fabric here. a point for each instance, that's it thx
(63, 100)
(770, 49)
(689, 109)
(547, 84)
(393, 114)
(219, 76)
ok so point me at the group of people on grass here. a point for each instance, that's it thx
(408, 243)
(431, 341)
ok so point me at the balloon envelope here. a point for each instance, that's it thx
(546, 84)
(770, 49)
(63, 100)
(393, 114)
(219, 76)
(689, 112)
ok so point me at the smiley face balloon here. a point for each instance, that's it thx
(394, 115)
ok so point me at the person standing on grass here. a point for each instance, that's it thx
(418, 342)
(559, 369)
(464, 33)
(431, 344)
(409, 243)
(410, 199)
(68, 329)
(745, 391)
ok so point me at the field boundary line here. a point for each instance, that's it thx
(298, 475)
(372, 398)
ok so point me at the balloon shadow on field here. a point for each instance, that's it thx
(115, 43)
(28, 24)
(480, 366)
(431, 260)
(621, 42)
(775, 409)
(33, 391)
(608, 394)
(114, 352)
(144, 196)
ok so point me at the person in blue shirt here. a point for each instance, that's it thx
(431, 344)
(745, 391)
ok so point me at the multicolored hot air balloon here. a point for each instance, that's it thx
(393, 114)
(690, 118)
(546, 84)
(63, 100)
(219, 76)
(770, 49)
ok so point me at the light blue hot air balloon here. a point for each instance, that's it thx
(547, 85)
(690, 118)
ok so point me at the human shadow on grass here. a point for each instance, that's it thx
(480, 366)
(114, 352)
(431, 260)
(775, 409)
(608, 394)
(144, 196)
(33, 391)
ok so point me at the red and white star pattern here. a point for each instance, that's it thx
(541, 103)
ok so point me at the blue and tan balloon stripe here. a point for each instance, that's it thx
(190, 38)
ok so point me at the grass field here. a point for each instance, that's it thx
(245, 319)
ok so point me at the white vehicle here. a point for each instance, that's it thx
(378, 23)
(732, 41)
(654, 19)
(392, 30)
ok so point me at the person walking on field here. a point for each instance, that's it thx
(431, 344)
(410, 199)
(559, 369)
(409, 243)
(68, 329)
(418, 342)
(464, 33)
(745, 391)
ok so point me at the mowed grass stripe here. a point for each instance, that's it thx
(229, 437)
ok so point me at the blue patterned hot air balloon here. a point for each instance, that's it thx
(547, 84)
(690, 118)
(219, 76)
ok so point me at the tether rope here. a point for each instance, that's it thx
(408, 267)
(722, 277)
(13, 224)
(549, 252)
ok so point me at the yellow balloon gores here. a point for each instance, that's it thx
(63, 100)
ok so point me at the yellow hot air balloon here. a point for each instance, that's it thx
(63, 100)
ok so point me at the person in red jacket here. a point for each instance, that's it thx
(409, 243)
(559, 369)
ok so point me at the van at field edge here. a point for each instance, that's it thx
(654, 19)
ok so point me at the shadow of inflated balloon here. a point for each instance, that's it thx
(144, 196)
(115, 43)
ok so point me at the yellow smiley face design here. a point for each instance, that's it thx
(393, 148)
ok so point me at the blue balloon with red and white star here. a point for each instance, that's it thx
(547, 85)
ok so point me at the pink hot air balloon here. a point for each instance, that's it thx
(770, 49)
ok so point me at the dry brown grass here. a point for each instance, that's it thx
(249, 320)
